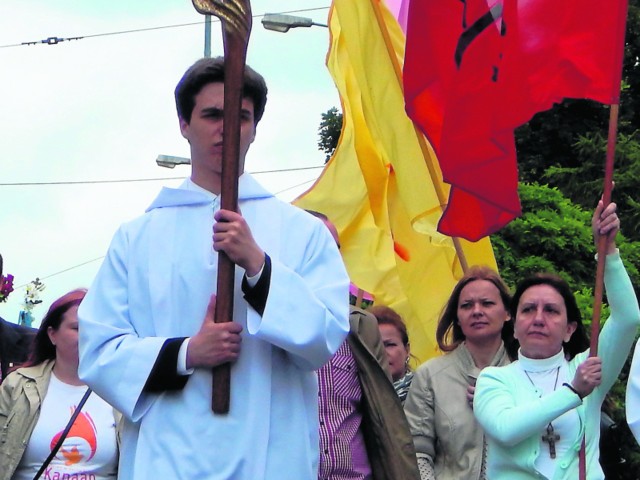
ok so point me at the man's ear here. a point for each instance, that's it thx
(184, 127)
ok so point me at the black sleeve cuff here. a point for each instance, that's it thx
(164, 375)
(257, 296)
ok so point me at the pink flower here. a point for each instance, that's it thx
(6, 287)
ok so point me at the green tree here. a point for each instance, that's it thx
(329, 131)
(582, 182)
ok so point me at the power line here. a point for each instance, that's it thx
(83, 182)
(102, 256)
(131, 180)
(63, 271)
(57, 40)
(295, 186)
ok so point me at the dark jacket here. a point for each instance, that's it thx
(15, 343)
(386, 432)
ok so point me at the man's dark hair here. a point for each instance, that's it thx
(211, 70)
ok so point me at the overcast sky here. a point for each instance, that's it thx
(101, 108)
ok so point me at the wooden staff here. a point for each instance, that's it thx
(612, 136)
(602, 240)
(602, 253)
(235, 16)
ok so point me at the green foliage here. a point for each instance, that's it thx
(553, 234)
(329, 131)
(583, 183)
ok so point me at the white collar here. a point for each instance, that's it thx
(191, 185)
(541, 364)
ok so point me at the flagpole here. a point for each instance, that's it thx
(426, 153)
(602, 240)
(612, 137)
(618, 52)
(602, 252)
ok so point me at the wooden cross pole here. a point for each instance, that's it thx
(235, 16)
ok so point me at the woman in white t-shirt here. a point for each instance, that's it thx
(37, 401)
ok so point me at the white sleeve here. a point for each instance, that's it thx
(633, 395)
(182, 359)
(307, 308)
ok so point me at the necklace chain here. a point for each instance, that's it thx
(555, 385)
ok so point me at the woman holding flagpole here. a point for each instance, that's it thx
(536, 411)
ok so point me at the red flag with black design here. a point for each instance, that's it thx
(476, 69)
(556, 50)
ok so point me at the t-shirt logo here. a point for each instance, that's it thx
(81, 442)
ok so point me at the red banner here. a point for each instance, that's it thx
(476, 69)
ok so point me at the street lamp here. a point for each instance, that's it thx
(282, 23)
(169, 161)
(270, 21)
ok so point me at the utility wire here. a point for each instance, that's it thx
(102, 256)
(63, 271)
(57, 40)
(131, 180)
(295, 186)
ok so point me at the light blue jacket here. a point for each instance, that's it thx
(512, 415)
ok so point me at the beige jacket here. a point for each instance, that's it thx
(441, 419)
(21, 395)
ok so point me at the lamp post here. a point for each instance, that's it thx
(282, 23)
(207, 36)
(270, 21)
(170, 161)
